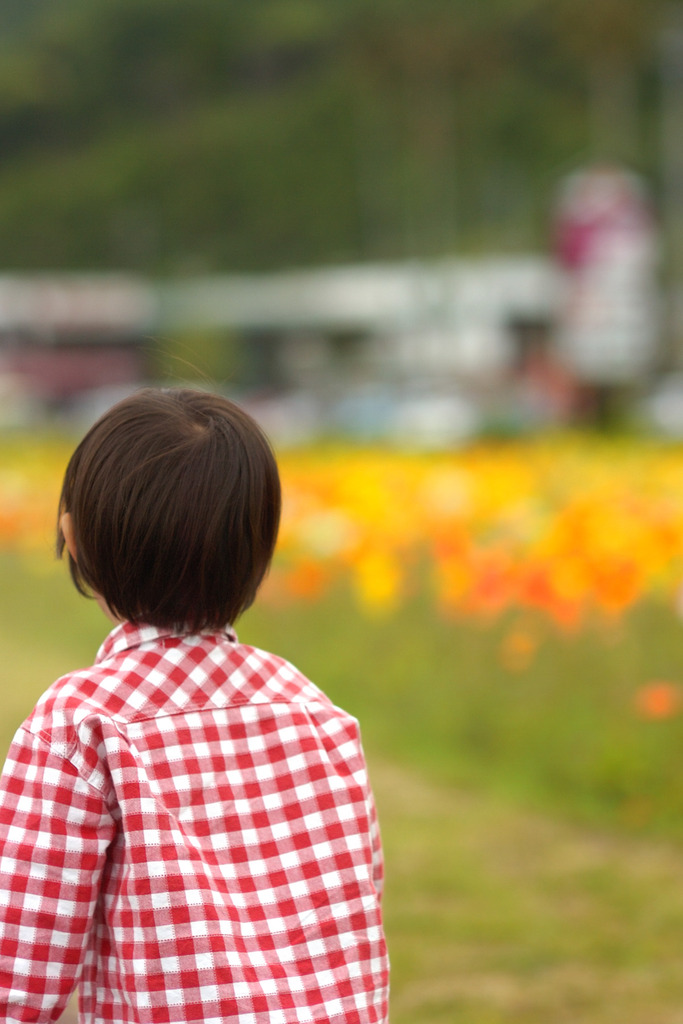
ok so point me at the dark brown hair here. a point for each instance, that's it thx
(174, 497)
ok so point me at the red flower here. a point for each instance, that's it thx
(658, 700)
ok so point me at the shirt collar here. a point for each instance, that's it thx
(127, 635)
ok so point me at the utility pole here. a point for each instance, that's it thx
(671, 154)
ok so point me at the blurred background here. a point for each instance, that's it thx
(437, 250)
(370, 218)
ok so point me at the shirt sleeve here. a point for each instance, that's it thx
(376, 845)
(54, 833)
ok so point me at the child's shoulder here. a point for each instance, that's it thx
(170, 675)
(260, 676)
(70, 699)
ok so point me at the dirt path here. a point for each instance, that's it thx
(496, 914)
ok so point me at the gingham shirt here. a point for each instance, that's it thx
(187, 833)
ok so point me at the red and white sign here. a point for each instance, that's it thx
(607, 246)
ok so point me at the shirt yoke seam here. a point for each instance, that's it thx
(64, 754)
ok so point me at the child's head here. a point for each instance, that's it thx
(173, 499)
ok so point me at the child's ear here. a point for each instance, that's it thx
(67, 527)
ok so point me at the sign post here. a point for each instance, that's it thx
(607, 249)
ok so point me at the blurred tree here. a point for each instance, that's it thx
(208, 358)
(611, 42)
(172, 135)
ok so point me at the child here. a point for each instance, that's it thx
(186, 828)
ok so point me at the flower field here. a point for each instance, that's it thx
(569, 527)
(563, 526)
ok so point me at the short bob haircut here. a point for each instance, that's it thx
(174, 497)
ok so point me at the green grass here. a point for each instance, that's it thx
(530, 818)
(497, 915)
(563, 734)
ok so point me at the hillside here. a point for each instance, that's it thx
(187, 135)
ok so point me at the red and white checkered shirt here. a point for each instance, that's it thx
(187, 834)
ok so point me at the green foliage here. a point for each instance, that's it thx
(562, 732)
(205, 358)
(167, 135)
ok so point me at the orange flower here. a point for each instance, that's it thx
(518, 649)
(306, 579)
(378, 581)
(658, 700)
